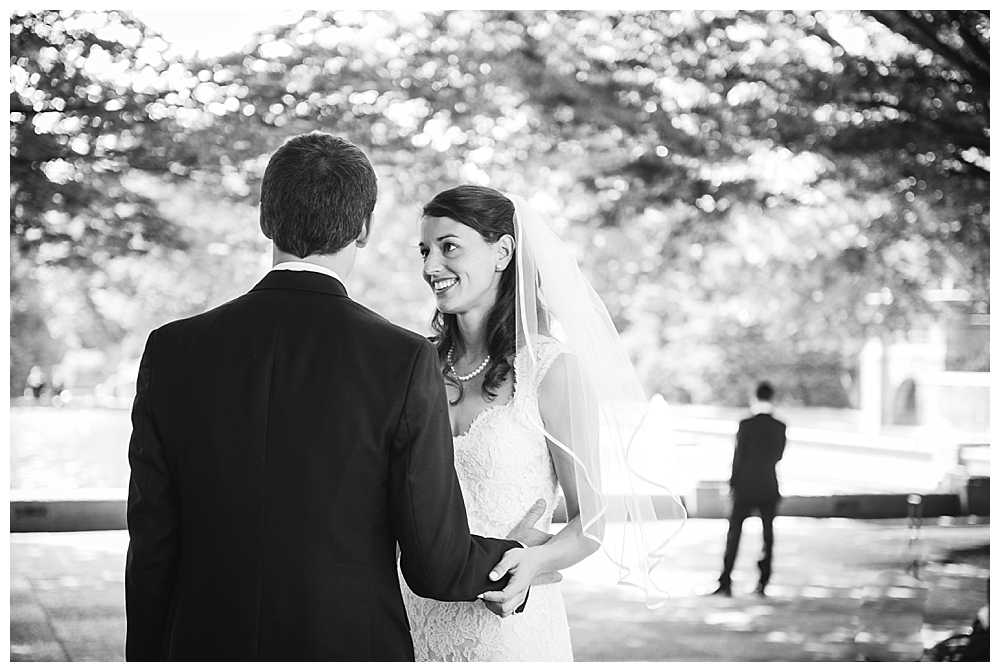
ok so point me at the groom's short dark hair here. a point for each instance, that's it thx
(318, 190)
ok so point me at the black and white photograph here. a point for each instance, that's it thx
(499, 335)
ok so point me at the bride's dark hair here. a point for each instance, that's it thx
(491, 214)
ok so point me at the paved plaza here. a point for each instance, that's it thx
(843, 590)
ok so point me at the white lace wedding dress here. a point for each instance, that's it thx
(503, 466)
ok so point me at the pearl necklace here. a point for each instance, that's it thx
(466, 378)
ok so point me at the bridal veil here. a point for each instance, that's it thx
(618, 436)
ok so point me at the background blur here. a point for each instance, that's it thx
(798, 196)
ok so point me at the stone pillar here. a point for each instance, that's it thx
(871, 385)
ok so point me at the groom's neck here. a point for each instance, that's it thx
(341, 263)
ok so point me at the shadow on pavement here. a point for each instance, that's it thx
(842, 590)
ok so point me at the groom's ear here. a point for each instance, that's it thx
(505, 251)
(264, 228)
(366, 230)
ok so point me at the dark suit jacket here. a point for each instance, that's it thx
(760, 443)
(282, 445)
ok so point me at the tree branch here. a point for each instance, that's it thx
(17, 105)
(922, 35)
(974, 41)
(42, 158)
(955, 132)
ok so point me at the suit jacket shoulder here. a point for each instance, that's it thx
(762, 418)
(773, 420)
(363, 318)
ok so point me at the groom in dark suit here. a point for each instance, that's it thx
(284, 443)
(760, 443)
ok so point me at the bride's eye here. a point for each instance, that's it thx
(448, 247)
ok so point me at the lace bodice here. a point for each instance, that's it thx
(503, 462)
(503, 466)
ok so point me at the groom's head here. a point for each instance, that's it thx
(317, 194)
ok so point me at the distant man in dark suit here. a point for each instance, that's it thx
(285, 443)
(760, 443)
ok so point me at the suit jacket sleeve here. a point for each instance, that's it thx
(439, 558)
(739, 455)
(153, 516)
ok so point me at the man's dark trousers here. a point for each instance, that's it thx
(741, 511)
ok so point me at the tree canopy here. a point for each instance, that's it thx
(83, 115)
(748, 191)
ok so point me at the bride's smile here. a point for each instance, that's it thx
(441, 286)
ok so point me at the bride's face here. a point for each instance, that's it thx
(460, 265)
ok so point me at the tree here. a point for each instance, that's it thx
(86, 110)
(91, 110)
(907, 119)
(727, 177)
(698, 108)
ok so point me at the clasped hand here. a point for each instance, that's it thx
(522, 564)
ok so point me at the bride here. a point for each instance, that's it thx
(543, 400)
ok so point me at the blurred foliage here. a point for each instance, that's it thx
(752, 193)
(83, 119)
(83, 115)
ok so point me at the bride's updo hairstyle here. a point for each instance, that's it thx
(491, 214)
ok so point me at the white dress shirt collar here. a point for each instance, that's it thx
(306, 266)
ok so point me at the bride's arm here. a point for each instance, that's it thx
(561, 409)
(556, 406)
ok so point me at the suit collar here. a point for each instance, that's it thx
(303, 281)
(307, 266)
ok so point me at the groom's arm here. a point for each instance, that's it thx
(439, 558)
(739, 454)
(153, 526)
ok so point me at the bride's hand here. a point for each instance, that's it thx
(546, 578)
(525, 532)
(523, 566)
